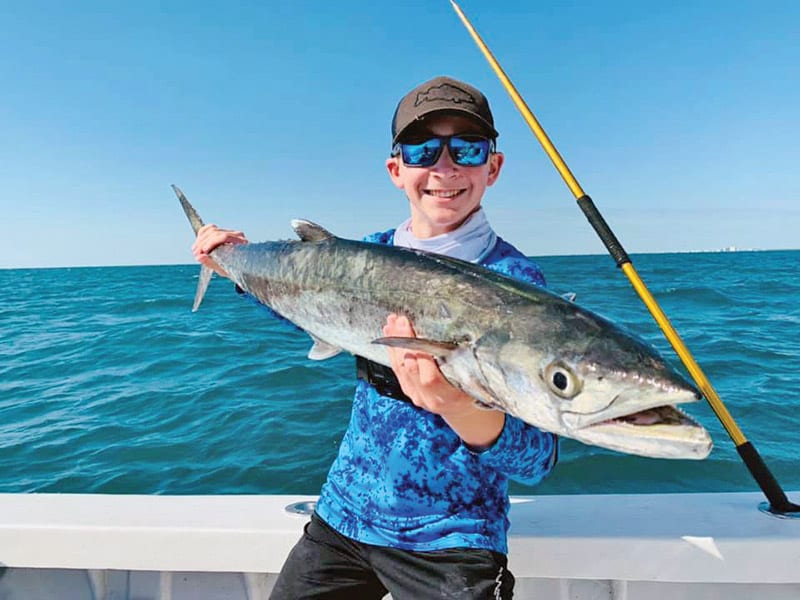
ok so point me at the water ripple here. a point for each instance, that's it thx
(110, 384)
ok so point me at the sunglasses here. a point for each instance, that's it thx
(465, 150)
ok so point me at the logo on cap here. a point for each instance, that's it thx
(445, 92)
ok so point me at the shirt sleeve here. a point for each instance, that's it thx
(523, 452)
(506, 259)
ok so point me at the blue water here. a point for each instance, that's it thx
(110, 384)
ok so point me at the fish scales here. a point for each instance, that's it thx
(510, 345)
(336, 286)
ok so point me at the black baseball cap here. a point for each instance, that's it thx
(442, 94)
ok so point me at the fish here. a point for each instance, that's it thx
(510, 345)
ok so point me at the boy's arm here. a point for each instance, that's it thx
(522, 452)
(504, 443)
(423, 382)
(509, 445)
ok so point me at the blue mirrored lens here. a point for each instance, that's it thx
(465, 151)
(469, 152)
(422, 155)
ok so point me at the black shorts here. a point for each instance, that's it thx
(326, 564)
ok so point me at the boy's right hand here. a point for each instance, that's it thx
(208, 238)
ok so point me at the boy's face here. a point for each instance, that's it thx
(443, 195)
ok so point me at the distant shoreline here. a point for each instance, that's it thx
(729, 250)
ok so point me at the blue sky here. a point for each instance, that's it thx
(679, 118)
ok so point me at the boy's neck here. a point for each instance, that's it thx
(423, 230)
(471, 241)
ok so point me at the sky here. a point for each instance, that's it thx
(679, 118)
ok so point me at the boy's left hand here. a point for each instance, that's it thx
(422, 381)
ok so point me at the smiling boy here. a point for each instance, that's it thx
(416, 502)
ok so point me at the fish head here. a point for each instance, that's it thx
(622, 395)
(585, 378)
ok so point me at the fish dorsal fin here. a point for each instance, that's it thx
(310, 232)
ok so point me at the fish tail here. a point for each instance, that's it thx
(197, 223)
(191, 213)
(202, 286)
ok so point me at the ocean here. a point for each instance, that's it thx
(110, 384)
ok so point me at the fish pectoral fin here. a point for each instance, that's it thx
(202, 286)
(308, 231)
(322, 350)
(433, 347)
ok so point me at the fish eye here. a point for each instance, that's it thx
(561, 380)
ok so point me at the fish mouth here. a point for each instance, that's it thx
(634, 406)
(659, 432)
(645, 423)
(665, 414)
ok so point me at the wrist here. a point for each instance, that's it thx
(478, 428)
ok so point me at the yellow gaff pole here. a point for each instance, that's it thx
(778, 501)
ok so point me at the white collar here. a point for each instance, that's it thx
(472, 241)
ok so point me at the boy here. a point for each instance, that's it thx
(416, 502)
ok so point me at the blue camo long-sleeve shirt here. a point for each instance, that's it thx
(404, 479)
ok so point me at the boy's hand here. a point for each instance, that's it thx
(423, 382)
(208, 238)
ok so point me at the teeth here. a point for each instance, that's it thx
(443, 193)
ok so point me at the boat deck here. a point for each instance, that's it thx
(688, 546)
